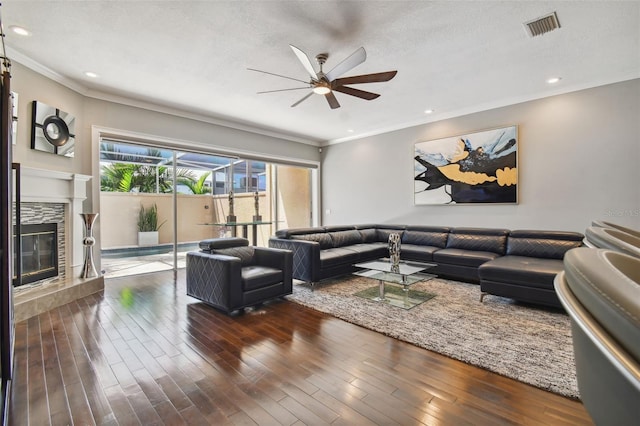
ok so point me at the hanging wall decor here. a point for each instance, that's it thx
(478, 167)
(52, 130)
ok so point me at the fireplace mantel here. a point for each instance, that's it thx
(50, 186)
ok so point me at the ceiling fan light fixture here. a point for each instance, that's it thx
(321, 90)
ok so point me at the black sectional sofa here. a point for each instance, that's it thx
(518, 264)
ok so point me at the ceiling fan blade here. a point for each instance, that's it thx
(356, 92)
(352, 61)
(331, 98)
(277, 75)
(304, 59)
(365, 78)
(300, 101)
(281, 90)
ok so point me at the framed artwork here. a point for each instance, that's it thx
(474, 168)
(52, 130)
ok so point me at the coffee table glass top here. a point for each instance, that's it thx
(406, 273)
(404, 268)
(390, 277)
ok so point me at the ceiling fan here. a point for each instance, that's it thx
(322, 83)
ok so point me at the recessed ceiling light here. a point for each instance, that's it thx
(91, 74)
(428, 111)
(350, 130)
(20, 30)
(553, 80)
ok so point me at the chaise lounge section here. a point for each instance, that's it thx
(517, 264)
(529, 266)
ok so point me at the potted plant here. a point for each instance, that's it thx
(148, 225)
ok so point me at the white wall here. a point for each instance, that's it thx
(579, 160)
(31, 86)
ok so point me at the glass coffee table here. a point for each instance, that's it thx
(405, 274)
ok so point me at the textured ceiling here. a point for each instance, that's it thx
(453, 57)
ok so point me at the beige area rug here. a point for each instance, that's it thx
(527, 343)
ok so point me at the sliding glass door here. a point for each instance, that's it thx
(156, 203)
(136, 208)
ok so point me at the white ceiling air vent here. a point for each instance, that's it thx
(542, 25)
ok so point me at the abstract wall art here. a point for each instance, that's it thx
(478, 167)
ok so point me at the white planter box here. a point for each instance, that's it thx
(148, 238)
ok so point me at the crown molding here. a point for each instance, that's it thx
(485, 107)
(123, 100)
(45, 71)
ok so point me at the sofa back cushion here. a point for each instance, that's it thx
(383, 234)
(244, 253)
(290, 232)
(435, 239)
(322, 238)
(542, 244)
(336, 228)
(345, 238)
(478, 239)
(369, 235)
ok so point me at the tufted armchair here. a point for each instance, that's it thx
(230, 275)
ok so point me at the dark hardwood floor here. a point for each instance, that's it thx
(144, 353)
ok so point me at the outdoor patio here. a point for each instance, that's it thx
(141, 264)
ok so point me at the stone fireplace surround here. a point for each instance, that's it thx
(52, 191)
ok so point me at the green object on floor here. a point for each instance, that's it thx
(396, 296)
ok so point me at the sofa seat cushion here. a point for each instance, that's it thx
(255, 277)
(337, 256)
(369, 250)
(521, 270)
(463, 257)
(417, 252)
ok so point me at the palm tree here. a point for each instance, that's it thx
(131, 177)
(196, 187)
(117, 177)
